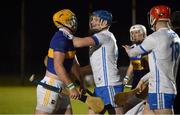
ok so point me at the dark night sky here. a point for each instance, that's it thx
(39, 28)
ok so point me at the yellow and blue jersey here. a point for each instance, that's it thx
(61, 43)
(139, 63)
(140, 67)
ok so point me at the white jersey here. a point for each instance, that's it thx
(103, 59)
(164, 50)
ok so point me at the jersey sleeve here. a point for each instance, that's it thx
(145, 47)
(60, 44)
(100, 38)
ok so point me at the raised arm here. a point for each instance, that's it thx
(82, 42)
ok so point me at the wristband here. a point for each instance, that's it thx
(71, 86)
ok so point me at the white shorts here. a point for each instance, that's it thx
(50, 101)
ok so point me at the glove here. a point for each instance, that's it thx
(126, 80)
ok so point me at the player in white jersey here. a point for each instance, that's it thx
(103, 59)
(163, 47)
(138, 66)
(175, 20)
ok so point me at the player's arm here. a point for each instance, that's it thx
(77, 72)
(143, 83)
(63, 75)
(59, 67)
(145, 47)
(85, 70)
(129, 74)
(82, 42)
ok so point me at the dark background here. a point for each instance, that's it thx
(32, 26)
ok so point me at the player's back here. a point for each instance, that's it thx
(163, 58)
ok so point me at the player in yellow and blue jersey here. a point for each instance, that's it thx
(138, 66)
(61, 59)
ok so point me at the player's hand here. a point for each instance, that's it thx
(126, 80)
(126, 47)
(141, 86)
(74, 93)
(103, 24)
(82, 86)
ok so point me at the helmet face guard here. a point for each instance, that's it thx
(159, 13)
(103, 15)
(137, 27)
(100, 20)
(65, 18)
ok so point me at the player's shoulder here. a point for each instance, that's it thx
(104, 33)
(155, 35)
(60, 36)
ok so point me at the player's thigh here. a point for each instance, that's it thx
(118, 110)
(107, 93)
(46, 100)
(163, 111)
(147, 110)
(159, 111)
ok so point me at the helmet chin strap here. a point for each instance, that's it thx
(153, 25)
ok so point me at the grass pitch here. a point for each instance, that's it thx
(22, 100)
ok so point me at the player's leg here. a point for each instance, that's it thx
(159, 111)
(147, 110)
(107, 95)
(91, 112)
(47, 100)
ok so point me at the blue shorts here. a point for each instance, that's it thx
(160, 101)
(107, 93)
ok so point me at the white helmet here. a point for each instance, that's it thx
(136, 27)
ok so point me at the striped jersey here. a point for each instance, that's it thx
(139, 63)
(163, 47)
(61, 43)
(103, 59)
